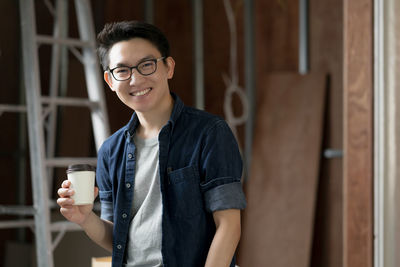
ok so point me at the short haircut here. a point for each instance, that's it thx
(115, 32)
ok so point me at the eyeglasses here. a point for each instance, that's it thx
(145, 68)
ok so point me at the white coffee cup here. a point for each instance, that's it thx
(82, 182)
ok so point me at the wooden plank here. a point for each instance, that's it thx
(358, 133)
(281, 189)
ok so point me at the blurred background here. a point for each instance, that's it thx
(308, 87)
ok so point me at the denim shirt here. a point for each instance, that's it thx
(200, 171)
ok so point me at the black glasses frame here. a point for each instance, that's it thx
(155, 60)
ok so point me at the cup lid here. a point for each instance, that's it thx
(80, 167)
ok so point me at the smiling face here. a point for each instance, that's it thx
(140, 93)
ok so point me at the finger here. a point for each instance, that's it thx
(65, 202)
(65, 211)
(65, 192)
(62, 192)
(66, 184)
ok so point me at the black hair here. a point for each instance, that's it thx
(115, 32)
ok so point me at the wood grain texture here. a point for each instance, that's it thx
(358, 133)
(281, 190)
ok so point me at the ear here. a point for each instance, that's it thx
(108, 79)
(171, 67)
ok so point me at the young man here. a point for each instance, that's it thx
(169, 181)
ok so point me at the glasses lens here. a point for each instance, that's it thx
(147, 67)
(122, 73)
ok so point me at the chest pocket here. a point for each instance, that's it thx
(185, 198)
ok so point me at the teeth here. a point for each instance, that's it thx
(140, 93)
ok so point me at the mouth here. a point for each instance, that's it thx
(141, 92)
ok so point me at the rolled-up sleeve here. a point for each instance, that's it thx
(227, 196)
(222, 170)
(104, 184)
(106, 211)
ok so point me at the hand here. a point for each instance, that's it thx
(76, 214)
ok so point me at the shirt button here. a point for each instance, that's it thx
(130, 156)
(124, 215)
(119, 246)
(128, 185)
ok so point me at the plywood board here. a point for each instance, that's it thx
(358, 134)
(281, 188)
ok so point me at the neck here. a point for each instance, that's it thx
(151, 122)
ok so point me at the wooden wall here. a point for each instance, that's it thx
(358, 134)
(276, 50)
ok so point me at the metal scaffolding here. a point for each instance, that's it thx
(42, 114)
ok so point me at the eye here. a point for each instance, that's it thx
(122, 70)
(146, 65)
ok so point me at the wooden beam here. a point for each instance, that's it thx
(358, 134)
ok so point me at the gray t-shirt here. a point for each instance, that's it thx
(144, 245)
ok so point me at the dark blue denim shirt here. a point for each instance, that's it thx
(200, 172)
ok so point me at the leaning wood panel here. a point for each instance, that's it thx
(281, 189)
(358, 132)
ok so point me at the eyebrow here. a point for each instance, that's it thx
(122, 64)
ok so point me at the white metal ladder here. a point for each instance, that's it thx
(41, 109)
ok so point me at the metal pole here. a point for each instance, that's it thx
(149, 11)
(50, 40)
(198, 53)
(94, 81)
(250, 83)
(36, 136)
(303, 37)
(379, 136)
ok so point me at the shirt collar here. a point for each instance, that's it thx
(176, 112)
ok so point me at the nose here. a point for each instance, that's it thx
(136, 78)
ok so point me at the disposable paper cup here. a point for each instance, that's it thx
(82, 181)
